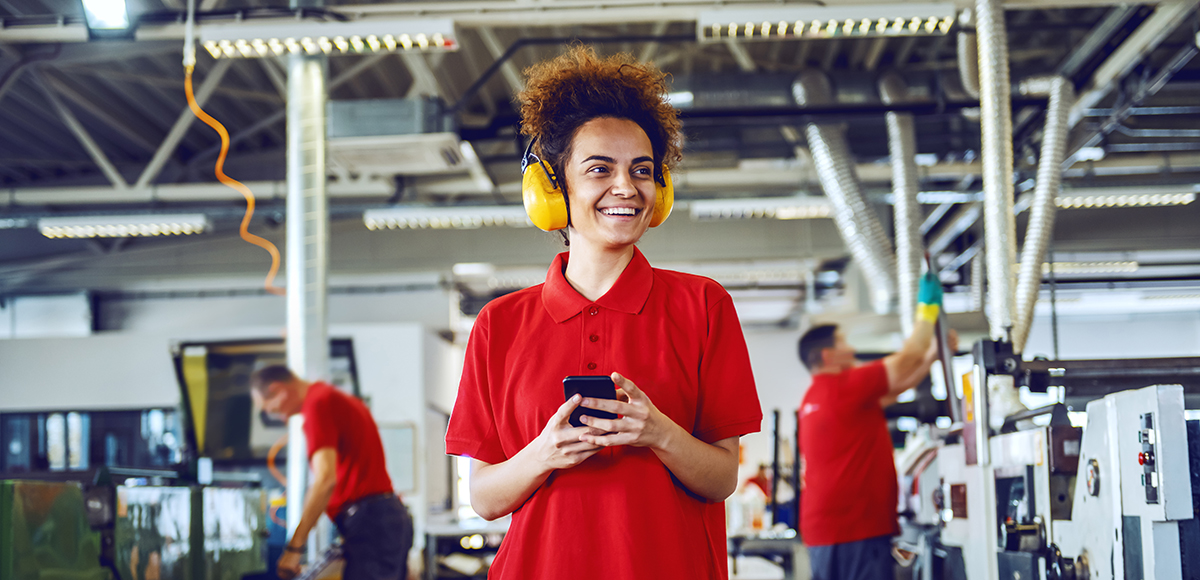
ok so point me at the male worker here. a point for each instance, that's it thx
(350, 481)
(848, 508)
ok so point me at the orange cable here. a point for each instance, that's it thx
(235, 184)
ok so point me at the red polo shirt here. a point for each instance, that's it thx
(338, 420)
(850, 487)
(620, 513)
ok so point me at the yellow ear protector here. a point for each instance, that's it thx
(546, 202)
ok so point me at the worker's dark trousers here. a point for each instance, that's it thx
(377, 533)
(869, 559)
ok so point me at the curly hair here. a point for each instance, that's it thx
(564, 93)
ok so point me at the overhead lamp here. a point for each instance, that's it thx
(466, 217)
(332, 38)
(790, 22)
(1124, 200)
(1105, 267)
(123, 226)
(781, 208)
(107, 19)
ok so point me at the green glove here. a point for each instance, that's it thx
(929, 298)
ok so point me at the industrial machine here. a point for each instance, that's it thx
(1026, 495)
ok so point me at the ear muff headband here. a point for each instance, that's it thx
(546, 202)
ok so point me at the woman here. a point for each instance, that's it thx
(639, 496)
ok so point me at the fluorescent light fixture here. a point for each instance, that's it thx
(1110, 198)
(463, 217)
(781, 208)
(807, 21)
(311, 37)
(107, 18)
(123, 226)
(1109, 267)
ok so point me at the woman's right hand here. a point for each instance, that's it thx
(558, 446)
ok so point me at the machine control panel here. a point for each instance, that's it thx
(1146, 457)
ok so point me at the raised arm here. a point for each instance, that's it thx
(907, 367)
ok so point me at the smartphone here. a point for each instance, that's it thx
(590, 386)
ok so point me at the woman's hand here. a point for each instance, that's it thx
(559, 445)
(639, 422)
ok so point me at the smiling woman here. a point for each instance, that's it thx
(639, 495)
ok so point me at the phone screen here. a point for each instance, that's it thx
(590, 386)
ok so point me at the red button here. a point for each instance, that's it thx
(1141, 458)
(593, 338)
(591, 366)
(593, 311)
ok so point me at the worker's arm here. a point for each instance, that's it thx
(907, 367)
(324, 467)
(499, 489)
(707, 469)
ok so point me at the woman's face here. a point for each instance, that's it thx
(610, 183)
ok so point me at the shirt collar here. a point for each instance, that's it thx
(628, 295)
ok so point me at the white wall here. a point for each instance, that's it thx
(1141, 335)
(781, 382)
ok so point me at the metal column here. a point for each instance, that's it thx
(307, 254)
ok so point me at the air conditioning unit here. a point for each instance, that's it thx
(386, 137)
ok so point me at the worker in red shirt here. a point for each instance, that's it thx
(350, 481)
(640, 496)
(848, 508)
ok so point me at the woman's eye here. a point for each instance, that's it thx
(642, 171)
(598, 169)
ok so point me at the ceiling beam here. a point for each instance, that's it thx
(515, 81)
(101, 114)
(1142, 42)
(741, 55)
(72, 123)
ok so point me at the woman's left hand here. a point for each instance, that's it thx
(639, 422)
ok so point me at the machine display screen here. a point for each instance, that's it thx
(223, 421)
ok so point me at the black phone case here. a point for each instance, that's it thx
(590, 386)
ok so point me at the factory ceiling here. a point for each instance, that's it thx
(127, 98)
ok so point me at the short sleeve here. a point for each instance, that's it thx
(472, 430)
(728, 401)
(320, 425)
(865, 383)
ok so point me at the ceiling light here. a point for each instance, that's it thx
(462, 217)
(1108, 267)
(909, 19)
(123, 226)
(107, 19)
(1124, 198)
(310, 37)
(782, 208)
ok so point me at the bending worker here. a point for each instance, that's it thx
(350, 481)
(638, 495)
(848, 509)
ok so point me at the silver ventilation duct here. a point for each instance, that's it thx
(995, 102)
(968, 57)
(860, 227)
(902, 148)
(1041, 217)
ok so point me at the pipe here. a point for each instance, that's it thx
(977, 280)
(968, 56)
(1041, 217)
(902, 148)
(860, 227)
(996, 119)
(307, 253)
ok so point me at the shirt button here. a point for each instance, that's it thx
(593, 310)
(593, 338)
(591, 366)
